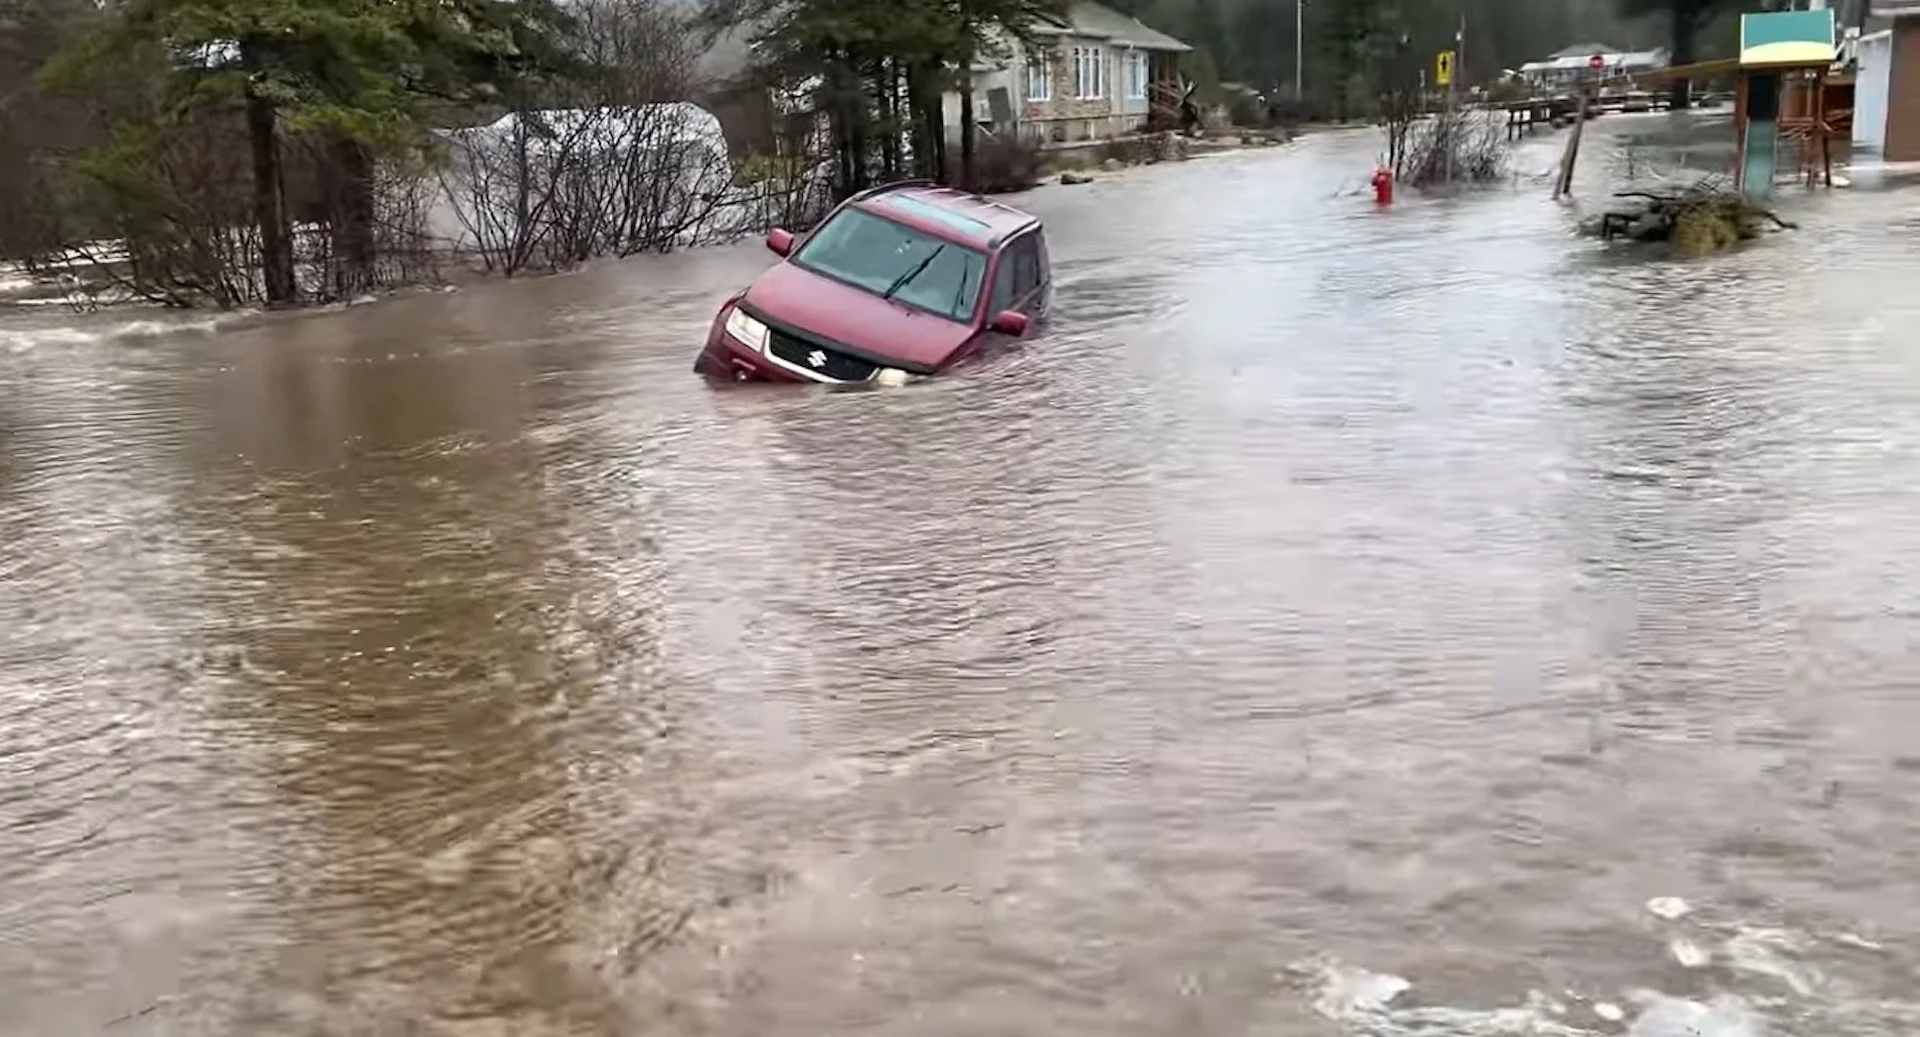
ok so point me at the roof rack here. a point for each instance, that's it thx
(893, 186)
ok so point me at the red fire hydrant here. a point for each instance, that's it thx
(1383, 185)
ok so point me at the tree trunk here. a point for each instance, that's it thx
(924, 154)
(269, 209)
(1685, 27)
(937, 131)
(968, 182)
(856, 109)
(888, 78)
(847, 114)
(350, 200)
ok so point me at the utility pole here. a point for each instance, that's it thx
(1449, 138)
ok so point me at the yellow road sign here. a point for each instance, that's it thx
(1443, 68)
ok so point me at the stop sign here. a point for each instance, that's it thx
(1597, 62)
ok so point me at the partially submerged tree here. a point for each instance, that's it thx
(1696, 218)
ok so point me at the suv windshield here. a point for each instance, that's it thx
(894, 260)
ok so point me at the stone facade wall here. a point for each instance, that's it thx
(1063, 105)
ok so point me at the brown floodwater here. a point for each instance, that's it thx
(1330, 601)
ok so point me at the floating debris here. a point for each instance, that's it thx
(1704, 217)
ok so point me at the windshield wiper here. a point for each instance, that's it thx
(901, 281)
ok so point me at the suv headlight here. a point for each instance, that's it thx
(746, 330)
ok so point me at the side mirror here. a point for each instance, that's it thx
(780, 241)
(1009, 322)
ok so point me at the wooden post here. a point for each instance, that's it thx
(1740, 131)
(1820, 126)
(1564, 185)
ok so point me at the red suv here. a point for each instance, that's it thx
(907, 276)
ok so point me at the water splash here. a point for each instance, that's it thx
(23, 339)
(1766, 987)
(1368, 1004)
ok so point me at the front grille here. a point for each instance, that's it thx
(811, 356)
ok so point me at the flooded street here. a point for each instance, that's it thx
(1326, 596)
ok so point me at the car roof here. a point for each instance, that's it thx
(968, 219)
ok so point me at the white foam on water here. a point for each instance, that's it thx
(1345, 990)
(1690, 955)
(1770, 987)
(1663, 1016)
(1774, 954)
(22, 339)
(1670, 908)
(1366, 1004)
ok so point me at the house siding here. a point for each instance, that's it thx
(1063, 117)
(1870, 92)
(1903, 94)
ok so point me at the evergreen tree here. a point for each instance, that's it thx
(361, 72)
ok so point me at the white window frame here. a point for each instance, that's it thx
(1089, 68)
(1039, 77)
(1136, 75)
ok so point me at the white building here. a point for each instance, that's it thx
(1094, 75)
(1572, 65)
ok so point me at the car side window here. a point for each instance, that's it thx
(1026, 267)
(1019, 274)
(1005, 281)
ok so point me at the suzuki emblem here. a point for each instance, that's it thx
(817, 358)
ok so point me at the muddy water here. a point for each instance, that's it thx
(1331, 605)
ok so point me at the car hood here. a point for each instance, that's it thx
(842, 314)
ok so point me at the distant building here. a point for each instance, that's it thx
(1094, 75)
(1571, 65)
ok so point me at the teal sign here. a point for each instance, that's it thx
(1786, 38)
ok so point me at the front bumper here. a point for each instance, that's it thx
(789, 357)
(725, 358)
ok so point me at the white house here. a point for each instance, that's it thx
(1570, 65)
(1093, 75)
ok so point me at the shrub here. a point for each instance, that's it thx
(1476, 144)
(1001, 164)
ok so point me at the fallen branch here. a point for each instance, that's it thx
(1702, 217)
